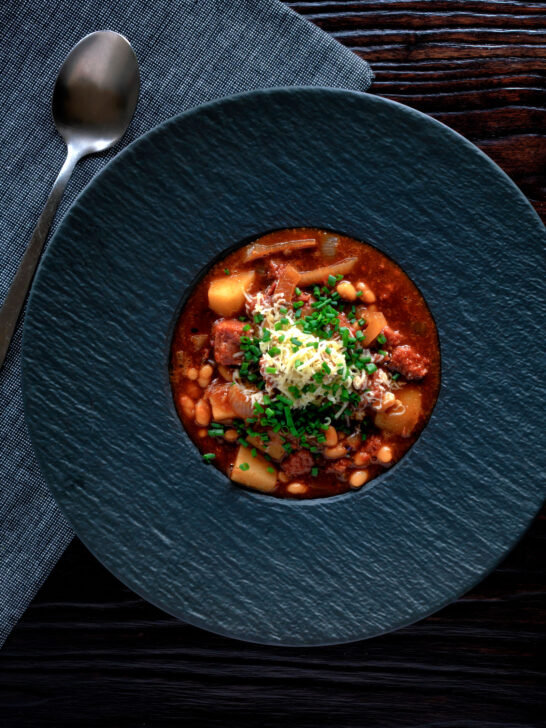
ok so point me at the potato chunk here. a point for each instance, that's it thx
(227, 295)
(376, 322)
(260, 474)
(398, 420)
(218, 396)
(273, 448)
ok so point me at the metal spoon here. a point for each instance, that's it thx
(93, 101)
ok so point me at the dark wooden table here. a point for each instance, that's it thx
(90, 653)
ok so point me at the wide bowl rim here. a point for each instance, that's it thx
(119, 160)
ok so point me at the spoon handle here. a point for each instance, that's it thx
(15, 300)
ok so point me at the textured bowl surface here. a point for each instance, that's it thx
(98, 400)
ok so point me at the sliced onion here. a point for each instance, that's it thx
(259, 250)
(241, 402)
(288, 280)
(328, 245)
(320, 275)
(198, 341)
(353, 441)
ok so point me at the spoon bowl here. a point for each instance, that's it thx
(96, 92)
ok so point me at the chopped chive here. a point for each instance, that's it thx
(207, 457)
(244, 466)
(331, 280)
(253, 452)
(370, 368)
(270, 370)
(382, 339)
(270, 469)
(359, 293)
(382, 352)
(226, 271)
(314, 472)
(289, 420)
(246, 327)
(297, 291)
(395, 376)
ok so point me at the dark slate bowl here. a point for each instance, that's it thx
(98, 400)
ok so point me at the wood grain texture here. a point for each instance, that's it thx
(88, 652)
(479, 67)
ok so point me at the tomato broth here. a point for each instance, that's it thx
(305, 364)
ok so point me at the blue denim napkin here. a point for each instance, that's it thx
(190, 51)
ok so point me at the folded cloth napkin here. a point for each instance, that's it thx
(190, 51)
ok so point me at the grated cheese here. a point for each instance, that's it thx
(296, 366)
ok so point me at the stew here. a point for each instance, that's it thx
(305, 364)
